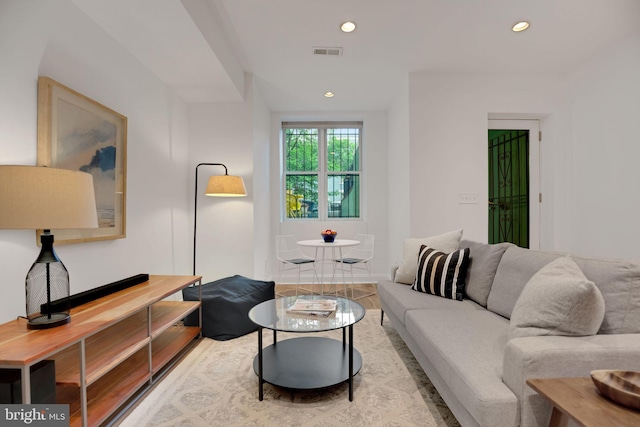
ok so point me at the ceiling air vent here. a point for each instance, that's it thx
(327, 51)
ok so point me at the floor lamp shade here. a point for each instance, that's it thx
(226, 186)
(45, 198)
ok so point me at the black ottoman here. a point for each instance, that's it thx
(226, 304)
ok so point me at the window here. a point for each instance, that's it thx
(322, 170)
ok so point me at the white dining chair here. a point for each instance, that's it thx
(358, 258)
(291, 257)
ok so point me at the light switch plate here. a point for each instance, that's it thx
(468, 198)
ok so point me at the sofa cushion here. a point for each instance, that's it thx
(558, 300)
(442, 274)
(482, 268)
(619, 283)
(516, 267)
(617, 279)
(406, 272)
(466, 348)
(398, 298)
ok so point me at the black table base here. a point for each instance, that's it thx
(307, 363)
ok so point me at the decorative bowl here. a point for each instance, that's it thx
(622, 387)
(329, 236)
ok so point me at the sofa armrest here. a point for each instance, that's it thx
(559, 356)
(394, 268)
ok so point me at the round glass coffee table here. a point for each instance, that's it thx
(305, 363)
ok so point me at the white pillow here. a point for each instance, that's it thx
(447, 242)
(558, 300)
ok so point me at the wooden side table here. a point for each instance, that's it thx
(578, 399)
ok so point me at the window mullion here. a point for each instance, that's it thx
(322, 175)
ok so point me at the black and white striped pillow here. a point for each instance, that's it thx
(441, 274)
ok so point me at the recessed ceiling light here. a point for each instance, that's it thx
(520, 26)
(348, 26)
(329, 94)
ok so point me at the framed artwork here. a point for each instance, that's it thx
(78, 133)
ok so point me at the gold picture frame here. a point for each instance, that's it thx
(77, 133)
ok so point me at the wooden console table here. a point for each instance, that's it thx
(112, 349)
(579, 399)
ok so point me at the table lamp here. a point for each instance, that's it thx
(218, 186)
(35, 197)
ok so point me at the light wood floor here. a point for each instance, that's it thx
(361, 292)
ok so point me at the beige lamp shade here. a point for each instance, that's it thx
(35, 197)
(226, 186)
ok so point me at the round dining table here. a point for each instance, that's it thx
(320, 244)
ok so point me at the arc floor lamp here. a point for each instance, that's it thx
(35, 197)
(219, 186)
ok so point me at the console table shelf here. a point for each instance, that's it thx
(164, 347)
(166, 313)
(111, 349)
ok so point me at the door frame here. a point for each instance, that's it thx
(533, 126)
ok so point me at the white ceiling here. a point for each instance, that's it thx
(201, 48)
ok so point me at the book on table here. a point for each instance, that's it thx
(317, 307)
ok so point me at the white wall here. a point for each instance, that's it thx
(53, 38)
(234, 235)
(262, 198)
(375, 197)
(603, 107)
(398, 185)
(223, 133)
(448, 142)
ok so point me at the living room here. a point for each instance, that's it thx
(434, 130)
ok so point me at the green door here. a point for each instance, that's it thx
(509, 186)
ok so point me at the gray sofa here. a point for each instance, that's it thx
(464, 346)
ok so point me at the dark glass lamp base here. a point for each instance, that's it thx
(46, 321)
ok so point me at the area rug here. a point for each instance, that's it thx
(215, 385)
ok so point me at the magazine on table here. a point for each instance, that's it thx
(309, 313)
(313, 307)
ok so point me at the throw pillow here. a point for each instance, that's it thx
(446, 242)
(440, 273)
(558, 300)
(482, 269)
